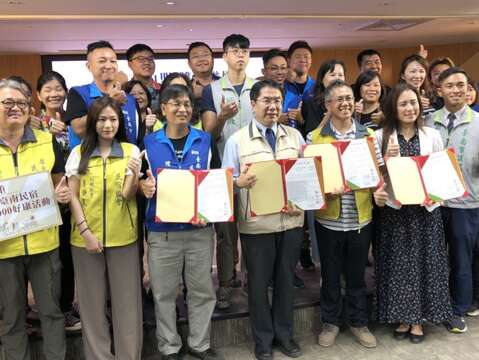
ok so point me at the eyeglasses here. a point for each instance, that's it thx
(178, 104)
(144, 59)
(10, 104)
(342, 99)
(201, 56)
(237, 51)
(271, 101)
(277, 69)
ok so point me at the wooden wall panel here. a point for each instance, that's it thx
(392, 58)
(27, 66)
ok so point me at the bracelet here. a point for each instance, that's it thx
(81, 222)
(85, 229)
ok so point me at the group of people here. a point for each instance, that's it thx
(104, 151)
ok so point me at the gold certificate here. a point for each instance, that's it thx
(268, 195)
(175, 196)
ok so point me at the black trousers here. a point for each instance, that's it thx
(67, 274)
(271, 257)
(343, 251)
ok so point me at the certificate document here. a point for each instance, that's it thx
(303, 183)
(27, 204)
(175, 196)
(359, 165)
(268, 195)
(215, 195)
(331, 164)
(406, 181)
(443, 180)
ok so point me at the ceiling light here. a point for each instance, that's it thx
(170, 3)
(160, 26)
(190, 30)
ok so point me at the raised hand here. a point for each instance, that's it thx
(148, 186)
(134, 164)
(358, 106)
(425, 102)
(63, 192)
(245, 180)
(393, 148)
(423, 52)
(117, 93)
(380, 195)
(57, 126)
(228, 110)
(150, 119)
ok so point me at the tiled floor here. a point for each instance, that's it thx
(438, 345)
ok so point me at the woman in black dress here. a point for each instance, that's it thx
(411, 259)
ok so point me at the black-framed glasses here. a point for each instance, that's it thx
(10, 104)
(178, 104)
(144, 59)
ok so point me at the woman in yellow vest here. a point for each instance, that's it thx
(34, 256)
(103, 176)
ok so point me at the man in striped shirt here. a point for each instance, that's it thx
(343, 229)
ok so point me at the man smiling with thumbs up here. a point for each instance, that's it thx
(102, 63)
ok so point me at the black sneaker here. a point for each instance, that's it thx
(298, 283)
(175, 356)
(306, 261)
(72, 323)
(473, 310)
(223, 298)
(208, 354)
(456, 325)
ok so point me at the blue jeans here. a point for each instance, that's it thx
(461, 227)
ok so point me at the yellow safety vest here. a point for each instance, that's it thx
(111, 218)
(363, 197)
(34, 154)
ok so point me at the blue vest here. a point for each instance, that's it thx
(292, 96)
(161, 155)
(89, 94)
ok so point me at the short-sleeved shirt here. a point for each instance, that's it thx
(207, 102)
(348, 219)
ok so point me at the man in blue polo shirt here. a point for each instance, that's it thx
(102, 63)
(299, 87)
